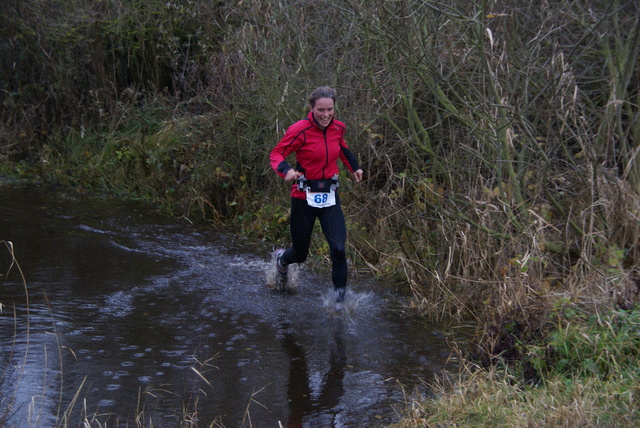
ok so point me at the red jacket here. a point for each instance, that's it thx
(317, 151)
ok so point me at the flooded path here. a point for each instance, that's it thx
(133, 319)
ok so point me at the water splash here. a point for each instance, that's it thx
(272, 277)
(354, 302)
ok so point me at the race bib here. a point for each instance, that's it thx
(321, 200)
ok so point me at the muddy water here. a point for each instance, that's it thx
(128, 318)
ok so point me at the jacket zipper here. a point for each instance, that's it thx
(326, 153)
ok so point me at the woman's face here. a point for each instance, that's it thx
(323, 111)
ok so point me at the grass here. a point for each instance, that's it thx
(589, 376)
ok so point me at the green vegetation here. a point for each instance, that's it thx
(587, 376)
(499, 140)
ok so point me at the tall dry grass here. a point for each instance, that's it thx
(500, 140)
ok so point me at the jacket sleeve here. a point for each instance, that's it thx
(347, 157)
(279, 154)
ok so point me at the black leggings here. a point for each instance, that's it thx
(331, 219)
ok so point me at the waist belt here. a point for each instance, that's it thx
(318, 186)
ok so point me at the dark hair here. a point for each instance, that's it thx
(322, 92)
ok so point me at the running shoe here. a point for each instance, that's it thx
(340, 293)
(278, 256)
(282, 270)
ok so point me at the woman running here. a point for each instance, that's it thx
(318, 141)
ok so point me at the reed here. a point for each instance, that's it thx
(8, 402)
(499, 139)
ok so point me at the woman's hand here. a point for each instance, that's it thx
(357, 175)
(292, 174)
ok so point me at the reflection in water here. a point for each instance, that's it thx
(301, 400)
(298, 391)
(135, 319)
(333, 388)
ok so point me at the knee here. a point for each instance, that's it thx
(338, 254)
